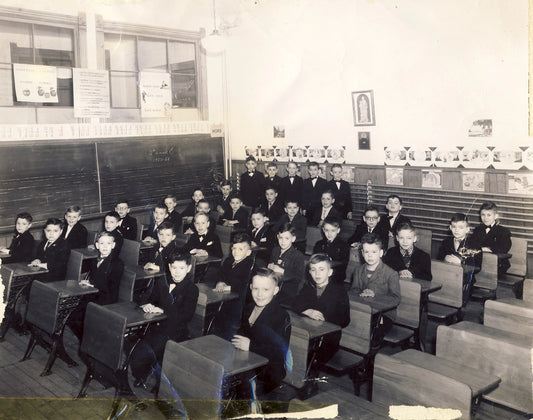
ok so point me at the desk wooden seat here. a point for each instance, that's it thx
(224, 234)
(126, 286)
(515, 275)
(496, 352)
(299, 349)
(129, 253)
(487, 279)
(347, 229)
(312, 236)
(397, 382)
(513, 315)
(528, 291)
(425, 237)
(407, 322)
(75, 261)
(445, 304)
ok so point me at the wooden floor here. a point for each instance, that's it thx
(26, 395)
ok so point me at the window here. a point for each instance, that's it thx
(127, 55)
(29, 43)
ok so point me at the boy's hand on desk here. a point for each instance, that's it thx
(349, 215)
(486, 249)
(240, 342)
(85, 283)
(152, 309)
(452, 259)
(314, 314)
(406, 274)
(4, 250)
(276, 268)
(199, 252)
(222, 287)
(151, 266)
(367, 293)
(35, 263)
(188, 232)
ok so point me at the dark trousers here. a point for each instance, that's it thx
(148, 354)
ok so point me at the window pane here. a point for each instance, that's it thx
(124, 90)
(120, 52)
(182, 57)
(183, 91)
(152, 55)
(13, 33)
(54, 46)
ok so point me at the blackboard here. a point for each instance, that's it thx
(45, 177)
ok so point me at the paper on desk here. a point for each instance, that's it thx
(329, 412)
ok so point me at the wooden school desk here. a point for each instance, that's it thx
(426, 288)
(89, 253)
(379, 304)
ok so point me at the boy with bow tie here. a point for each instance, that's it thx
(341, 192)
(312, 190)
(252, 184)
(291, 186)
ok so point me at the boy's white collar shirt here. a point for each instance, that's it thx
(392, 219)
(325, 213)
(69, 228)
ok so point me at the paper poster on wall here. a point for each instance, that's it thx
(394, 176)
(254, 151)
(267, 153)
(335, 154)
(507, 158)
(348, 174)
(527, 155)
(473, 181)
(395, 156)
(420, 157)
(431, 178)
(156, 95)
(446, 157)
(316, 154)
(520, 183)
(475, 157)
(281, 154)
(91, 93)
(35, 83)
(299, 154)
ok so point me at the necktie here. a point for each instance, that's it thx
(291, 178)
(406, 256)
(456, 243)
(370, 230)
(100, 260)
(338, 183)
(47, 245)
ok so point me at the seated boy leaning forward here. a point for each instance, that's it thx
(393, 217)
(492, 236)
(74, 232)
(408, 260)
(324, 300)
(203, 206)
(325, 209)
(334, 247)
(374, 278)
(462, 249)
(177, 299)
(266, 330)
(21, 247)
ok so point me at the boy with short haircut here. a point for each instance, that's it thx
(203, 242)
(252, 184)
(272, 205)
(374, 278)
(288, 263)
(74, 233)
(111, 221)
(341, 192)
(325, 210)
(290, 187)
(21, 247)
(234, 276)
(237, 216)
(293, 217)
(334, 247)
(160, 214)
(492, 236)
(53, 252)
(272, 180)
(265, 330)
(161, 252)
(393, 218)
(370, 224)
(190, 210)
(408, 260)
(174, 216)
(312, 190)
(324, 300)
(127, 224)
(203, 206)
(177, 299)
(222, 202)
(261, 236)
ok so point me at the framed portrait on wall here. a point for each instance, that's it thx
(363, 108)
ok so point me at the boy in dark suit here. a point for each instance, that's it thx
(290, 187)
(335, 248)
(202, 242)
(324, 300)
(288, 263)
(189, 211)
(74, 233)
(234, 276)
(173, 215)
(325, 210)
(237, 216)
(312, 190)
(293, 217)
(492, 236)
(408, 260)
(222, 202)
(393, 218)
(261, 236)
(272, 205)
(127, 224)
(370, 224)
(160, 214)
(53, 252)
(161, 252)
(111, 221)
(272, 180)
(341, 192)
(265, 330)
(252, 184)
(203, 206)
(21, 247)
(177, 299)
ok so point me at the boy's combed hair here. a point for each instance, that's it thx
(287, 227)
(315, 164)
(266, 272)
(240, 238)
(394, 196)
(225, 183)
(318, 258)
(406, 226)
(167, 224)
(371, 238)
(201, 213)
(177, 256)
(329, 192)
(172, 197)
(371, 207)
(488, 205)
(235, 195)
(113, 214)
(197, 189)
(104, 234)
(55, 221)
(333, 221)
(250, 158)
(336, 165)
(203, 200)
(271, 187)
(73, 209)
(258, 210)
(121, 202)
(161, 206)
(291, 200)
(459, 217)
(272, 165)
(24, 215)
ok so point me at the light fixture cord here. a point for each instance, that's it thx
(214, 16)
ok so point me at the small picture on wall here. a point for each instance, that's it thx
(364, 140)
(480, 128)
(316, 154)
(348, 173)
(279, 131)
(335, 155)
(363, 108)
(431, 178)
(520, 183)
(267, 153)
(299, 154)
(253, 151)
(473, 181)
(394, 176)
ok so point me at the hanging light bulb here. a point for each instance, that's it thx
(214, 42)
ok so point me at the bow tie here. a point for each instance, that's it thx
(315, 177)
(291, 177)
(251, 173)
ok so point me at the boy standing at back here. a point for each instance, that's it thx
(252, 185)
(492, 236)
(341, 192)
(291, 186)
(21, 247)
(127, 224)
(333, 246)
(74, 233)
(272, 180)
(312, 190)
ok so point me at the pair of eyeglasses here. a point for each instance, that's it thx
(371, 218)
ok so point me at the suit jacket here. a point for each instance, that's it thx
(311, 195)
(275, 211)
(291, 191)
(77, 237)
(241, 215)
(400, 219)
(419, 266)
(269, 336)
(447, 248)
(362, 229)
(128, 227)
(179, 306)
(383, 281)
(175, 218)
(338, 250)
(190, 210)
(292, 261)
(316, 215)
(119, 240)
(343, 196)
(210, 243)
(56, 256)
(498, 239)
(21, 248)
(252, 188)
(161, 257)
(264, 238)
(106, 279)
(152, 230)
(272, 182)
(220, 201)
(298, 222)
(333, 304)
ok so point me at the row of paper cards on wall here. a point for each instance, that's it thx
(487, 157)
